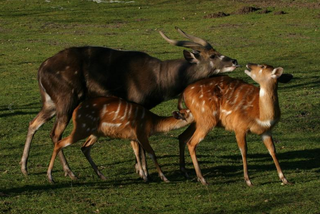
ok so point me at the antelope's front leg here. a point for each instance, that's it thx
(242, 144)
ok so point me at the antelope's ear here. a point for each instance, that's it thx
(192, 57)
(277, 72)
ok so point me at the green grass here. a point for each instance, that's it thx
(31, 31)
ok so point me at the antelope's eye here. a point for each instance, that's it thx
(213, 56)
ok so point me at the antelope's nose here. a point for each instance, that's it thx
(235, 62)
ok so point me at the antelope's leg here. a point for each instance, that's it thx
(146, 145)
(138, 165)
(46, 113)
(183, 139)
(242, 144)
(86, 148)
(268, 142)
(196, 138)
(56, 133)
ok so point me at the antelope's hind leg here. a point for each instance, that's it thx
(86, 148)
(143, 140)
(141, 163)
(46, 113)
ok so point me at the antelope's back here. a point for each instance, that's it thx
(223, 99)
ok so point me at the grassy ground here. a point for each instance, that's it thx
(31, 31)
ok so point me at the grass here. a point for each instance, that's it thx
(32, 31)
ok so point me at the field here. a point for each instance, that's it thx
(282, 33)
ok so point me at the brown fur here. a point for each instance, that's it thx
(237, 106)
(116, 118)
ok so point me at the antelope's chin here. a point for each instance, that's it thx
(248, 72)
(230, 68)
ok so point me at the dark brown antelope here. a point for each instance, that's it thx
(78, 73)
(237, 106)
(116, 118)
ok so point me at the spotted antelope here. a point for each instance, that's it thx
(236, 106)
(116, 118)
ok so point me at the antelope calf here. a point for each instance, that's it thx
(117, 118)
(236, 106)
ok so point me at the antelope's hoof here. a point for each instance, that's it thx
(69, 173)
(285, 182)
(102, 177)
(184, 173)
(248, 182)
(164, 179)
(50, 179)
(203, 181)
(23, 168)
(24, 172)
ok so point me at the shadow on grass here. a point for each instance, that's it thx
(14, 110)
(290, 161)
(300, 160)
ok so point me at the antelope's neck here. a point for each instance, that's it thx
(165, 124)
(269, 104)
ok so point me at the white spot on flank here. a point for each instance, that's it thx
(260, 71)
(94, 104)
(192, 87)
(117, 112)
(83, 125)
(130, 110)
(76, 72)
(125, 112)
(104, 110)
(79, 115)
(111, 124)
(226, 112)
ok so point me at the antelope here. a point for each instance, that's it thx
(116, 118)
(80, 73)
(237, 106)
